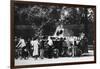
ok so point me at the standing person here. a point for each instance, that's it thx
(36, 47)
(28, 46)
(50, 47)
(21, 44)
(84, 43)
(41, 48)
(31, 47)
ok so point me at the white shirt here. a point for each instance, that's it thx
(50, 41)
(32, 42)
(22, 43)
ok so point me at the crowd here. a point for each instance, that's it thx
(50, 47)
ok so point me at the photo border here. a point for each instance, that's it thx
(43, 65)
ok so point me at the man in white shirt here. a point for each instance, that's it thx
(21, 44)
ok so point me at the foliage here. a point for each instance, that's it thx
(45, 17)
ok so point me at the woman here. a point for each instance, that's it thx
(35, 47)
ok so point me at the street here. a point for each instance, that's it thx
(31, 61)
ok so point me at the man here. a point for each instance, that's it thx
(32, 47)
(84, 43)
(59, 31)
(41, 48)
(21, 44)
(50, 44)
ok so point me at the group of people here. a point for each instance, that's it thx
(25, 48)
(47, 46)
(50, 46)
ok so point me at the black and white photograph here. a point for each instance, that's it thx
(52, 33)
